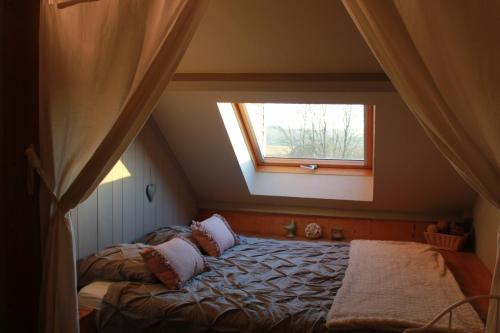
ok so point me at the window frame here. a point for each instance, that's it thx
(288, 164)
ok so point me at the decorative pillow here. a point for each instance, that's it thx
(122, 262)
(165, 234)
(214, 235)
(174, 262)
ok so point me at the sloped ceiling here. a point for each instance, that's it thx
(277, 36)
(410, 176)
(297, 36)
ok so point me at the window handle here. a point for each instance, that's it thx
(311, 167)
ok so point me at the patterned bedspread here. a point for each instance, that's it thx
(261, 285)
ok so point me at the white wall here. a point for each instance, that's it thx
(411, 177)
(486, 223)
(119, 212)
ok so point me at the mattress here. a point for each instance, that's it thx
(91, 295)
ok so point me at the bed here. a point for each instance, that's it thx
(261, 285)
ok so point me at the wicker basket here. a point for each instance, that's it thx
(445, 241)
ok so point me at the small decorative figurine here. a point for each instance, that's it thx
(337, 233)
(313, 231)
(291, 228)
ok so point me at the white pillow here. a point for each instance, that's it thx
(214, 235)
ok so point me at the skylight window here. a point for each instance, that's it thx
(309, 135)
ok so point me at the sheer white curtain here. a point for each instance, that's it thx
(103, 67)
(443, 58)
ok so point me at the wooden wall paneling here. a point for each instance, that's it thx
(129, 225)
(158, 199)
(153, 204)
(149, 211)
(351, 228)
(247, 222)
(139, 189)
(169, 197)
(244, 223)
(105, 215)
(117, 205)
(267, 224)
(87, 226)
(273, 225)
(146, 203)
(119, 210)
(419, 228)
(392, 230)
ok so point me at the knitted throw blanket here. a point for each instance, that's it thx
(397, 285)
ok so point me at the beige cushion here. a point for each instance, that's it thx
(214, 235)
(174, 262)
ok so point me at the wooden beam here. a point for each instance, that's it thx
(281, 82)
(282, 77)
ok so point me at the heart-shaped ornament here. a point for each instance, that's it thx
(150, 191)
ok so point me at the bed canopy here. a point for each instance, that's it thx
(442, 57)
(104, 65)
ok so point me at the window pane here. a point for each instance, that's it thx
(308, 131)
